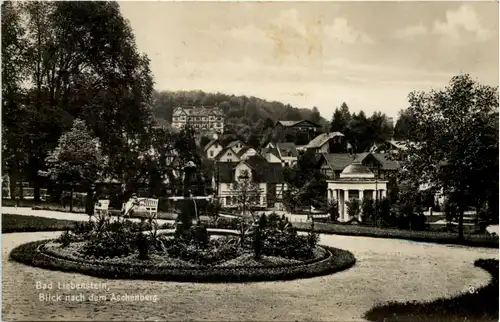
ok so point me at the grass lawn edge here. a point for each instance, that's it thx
(478, 305)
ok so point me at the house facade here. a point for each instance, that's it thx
(267, 176)
(227, 155)
(285, 153)
(271, 155)
(202, 119)
(212, 149)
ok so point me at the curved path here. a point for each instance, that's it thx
(386, 270)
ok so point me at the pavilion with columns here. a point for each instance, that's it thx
(355, 182)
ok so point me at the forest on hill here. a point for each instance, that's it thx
(252, 119)
(243, 113)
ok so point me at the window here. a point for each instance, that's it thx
(228, 200)
(228, 160)
(229, 154)
(211, 153)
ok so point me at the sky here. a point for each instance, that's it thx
(370, 55)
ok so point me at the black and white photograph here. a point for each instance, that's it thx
(250, 161)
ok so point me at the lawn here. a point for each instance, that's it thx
(479, 240)
(20, 223)
(476, 305)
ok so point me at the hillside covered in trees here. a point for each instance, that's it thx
(243, 113)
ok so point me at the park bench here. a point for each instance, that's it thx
(101, 206)
(145, 205)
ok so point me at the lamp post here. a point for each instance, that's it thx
(185, 217)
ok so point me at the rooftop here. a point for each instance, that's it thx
(322, 139)
(357, 170)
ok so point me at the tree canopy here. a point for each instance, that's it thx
(67, 60)
(456, 143)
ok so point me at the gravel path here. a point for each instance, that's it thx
(23, 211)
(385, 270)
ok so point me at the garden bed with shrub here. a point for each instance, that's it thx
(124, 250)
(476, 240)
(478, 305)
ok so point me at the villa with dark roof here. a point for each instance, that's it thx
(268, 176)
(332, 164)
(284, 128)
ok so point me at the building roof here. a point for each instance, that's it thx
(287, 149)
(262, 171)
(198, 110)
(209, 144)
(272, 151)
(234, 143)
(385, 162)
(338, 161)
(297, 123)
(356, 170)
(322, 139)
(243, 151)
(400, 145)
(223, 151)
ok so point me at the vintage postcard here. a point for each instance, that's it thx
(250, 161)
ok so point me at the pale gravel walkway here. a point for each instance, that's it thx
(25, 211)
(386, 269)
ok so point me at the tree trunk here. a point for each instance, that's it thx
(89, 202)
(21, 192)
(461, 224)
(12, 185)
(36, 188)
(71, 199)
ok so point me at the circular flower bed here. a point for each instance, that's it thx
(272, 252)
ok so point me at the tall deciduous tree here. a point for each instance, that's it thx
(77, 159)
(15, 116)
(81, 60)
(456, 142)
(404, 128)
(315, 116)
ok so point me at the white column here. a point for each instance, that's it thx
(341, 204)
(383, 192)
(374, 195)
(361, 197)
(346, 198)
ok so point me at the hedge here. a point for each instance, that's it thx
(478, 305)
(18, 223)
(32, 254)
(413, 235)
